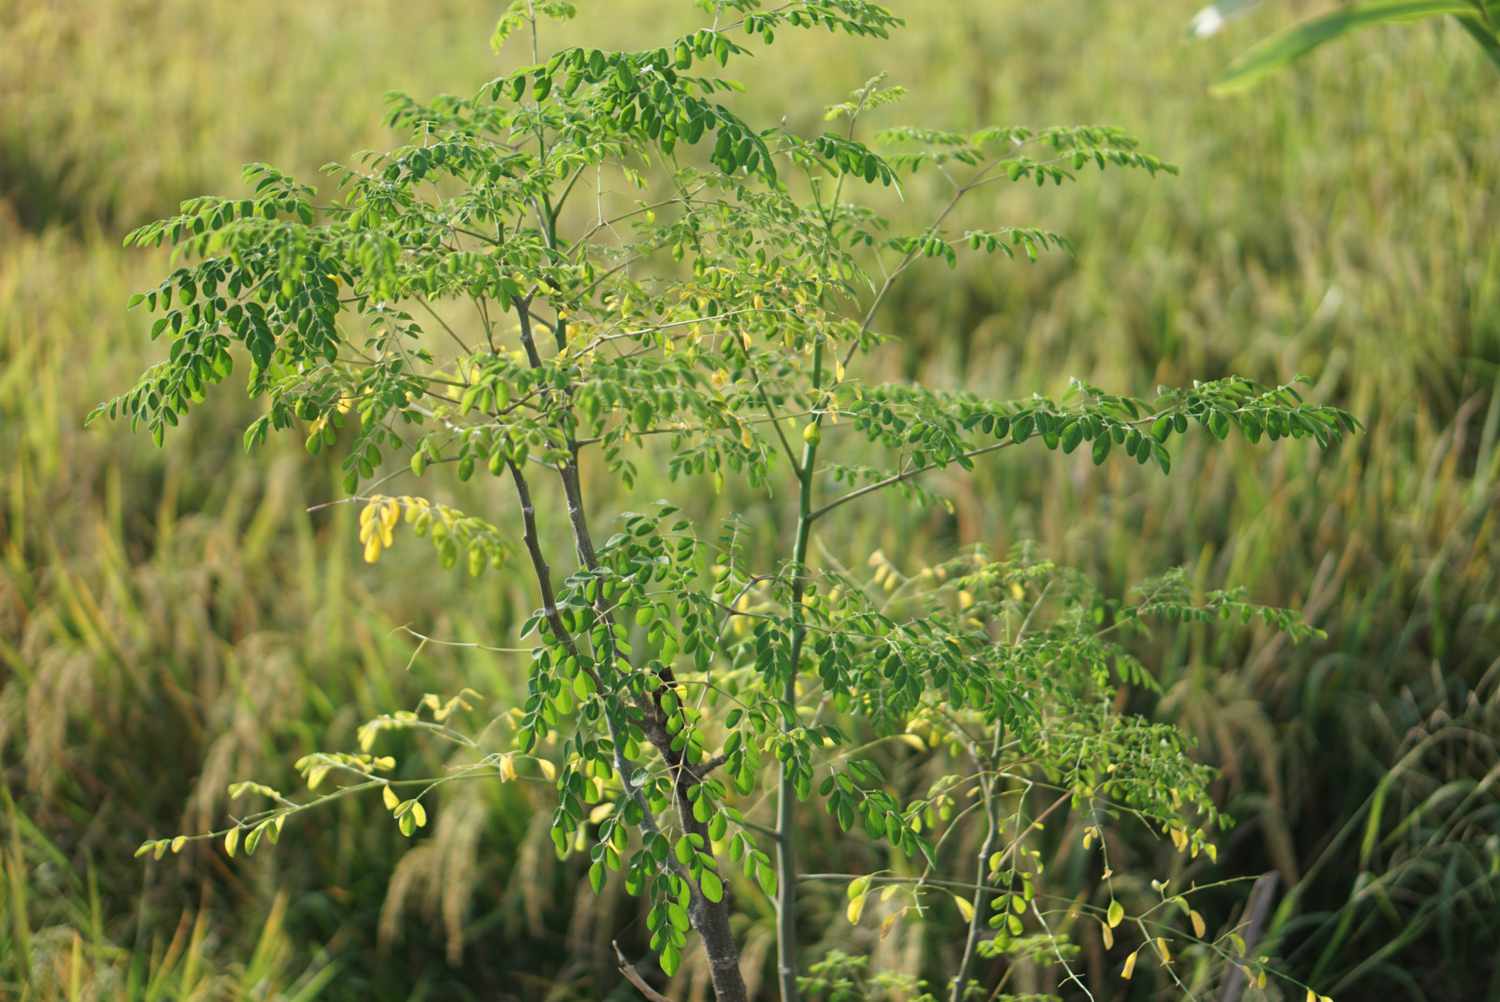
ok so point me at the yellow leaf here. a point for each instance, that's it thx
(231, 842)
(1116, 914)
(548, 769)
(507, 768)
(855, 910)
(1161, 948)
(965, 908)
(1128, 971)
(1199, 926)
(390, 798)
(1108, 935)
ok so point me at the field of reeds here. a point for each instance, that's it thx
(173, 620)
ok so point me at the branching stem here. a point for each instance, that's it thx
(786, 794)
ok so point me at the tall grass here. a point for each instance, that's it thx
(173, 620)
(56, 944)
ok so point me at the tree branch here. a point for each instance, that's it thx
(627, 969)
(900, 477)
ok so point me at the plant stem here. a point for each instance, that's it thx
(554, 620)
(981, 871)
(710, 918)
(786, 794)
(971, 942)
(902, 477)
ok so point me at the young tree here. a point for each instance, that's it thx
(676, 677)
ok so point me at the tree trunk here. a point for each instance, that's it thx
(710, 918)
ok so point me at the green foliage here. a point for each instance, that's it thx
(839, 977)
(720, 308)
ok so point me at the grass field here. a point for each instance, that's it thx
(174, 620)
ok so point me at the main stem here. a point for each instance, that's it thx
(710, 918)
(981, 872)
(786, 794)
(981, 892)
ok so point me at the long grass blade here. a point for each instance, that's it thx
(1279, 51)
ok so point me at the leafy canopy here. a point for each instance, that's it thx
(596, 253)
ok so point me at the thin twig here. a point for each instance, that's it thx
(904, 476)
(627, 969)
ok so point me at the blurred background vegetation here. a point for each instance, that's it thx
(174, 620)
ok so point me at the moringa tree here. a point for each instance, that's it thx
(715, 321)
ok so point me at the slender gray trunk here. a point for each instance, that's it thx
(709, 918)
(981, 897)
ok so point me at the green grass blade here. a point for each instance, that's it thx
(1280, 50)
(1484, 36)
